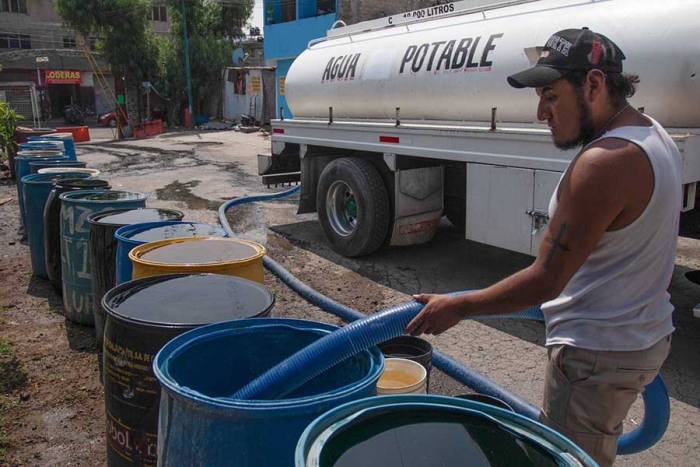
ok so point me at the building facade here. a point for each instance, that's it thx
(36, 47)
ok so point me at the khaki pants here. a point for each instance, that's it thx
(588, 393)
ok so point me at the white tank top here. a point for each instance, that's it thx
(618, 299)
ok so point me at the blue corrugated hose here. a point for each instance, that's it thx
(367, 331)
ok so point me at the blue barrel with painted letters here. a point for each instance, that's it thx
(76, 267)
(131, 236)
(200, 424)
(22, 160)
(36, 189)
(65, 138)
(34, 167)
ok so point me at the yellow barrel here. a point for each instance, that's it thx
(230, 256)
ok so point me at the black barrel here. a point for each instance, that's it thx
(411, 348)
(142, 316)
(52, 224)
(103, 250)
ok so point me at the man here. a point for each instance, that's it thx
(608, 255)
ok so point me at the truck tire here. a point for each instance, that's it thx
(353, 207)
(456, 194)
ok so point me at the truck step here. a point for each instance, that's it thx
(281, 179)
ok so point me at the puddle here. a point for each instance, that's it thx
(177, 191)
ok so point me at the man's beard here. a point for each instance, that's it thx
(586, 131)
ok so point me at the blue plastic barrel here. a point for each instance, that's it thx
(131, 236)
(65, 138)
(76, 267)
(34, 167)
(22, 160)
(419, 430)
(198, 371)
(36, 189)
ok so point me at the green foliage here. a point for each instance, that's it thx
(127, 42)
(212, 28)
(8, 121)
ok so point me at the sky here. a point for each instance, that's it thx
(257, 19)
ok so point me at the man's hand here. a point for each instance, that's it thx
(440, 313)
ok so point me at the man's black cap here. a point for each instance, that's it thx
(570, 50)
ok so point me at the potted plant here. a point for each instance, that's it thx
(270, 13)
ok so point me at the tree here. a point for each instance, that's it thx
(213, 26)
(127, 42)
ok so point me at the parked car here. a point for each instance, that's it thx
(108, 119)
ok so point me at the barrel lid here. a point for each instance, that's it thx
(201, 251)
(81, 183)
(179, 230)
(120, 217)
(102, 196)
(188, 299)
(50, 178)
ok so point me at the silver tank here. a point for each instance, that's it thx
(455, 68)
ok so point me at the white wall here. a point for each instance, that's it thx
(236, 105)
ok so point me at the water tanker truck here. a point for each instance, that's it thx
(401, 120)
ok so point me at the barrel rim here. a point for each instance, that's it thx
(174, 347)
(103, 184)
(120, 234)
(75, 196)
(35, 156)
(123, 287)
(68, 161)
(92, 218)
(134, 254)
(346, 414)
(40, 179)
(61, 136)
(86, 170)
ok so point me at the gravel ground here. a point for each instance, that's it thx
(53, 405)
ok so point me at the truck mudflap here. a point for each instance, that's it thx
(419, 196)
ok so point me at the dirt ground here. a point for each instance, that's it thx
(52, 406)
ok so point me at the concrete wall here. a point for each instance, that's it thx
(41, 22)
(236, 105)
(45, 26)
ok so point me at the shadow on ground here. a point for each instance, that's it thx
(80, 338)
(450, 263)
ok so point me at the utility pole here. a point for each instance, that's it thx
(187, 58)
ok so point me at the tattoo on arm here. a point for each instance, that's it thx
(556, 245)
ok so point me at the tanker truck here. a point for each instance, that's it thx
(401, 120)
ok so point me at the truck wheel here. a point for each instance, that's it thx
(353, 206)
(455, 194)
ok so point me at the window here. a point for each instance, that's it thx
(69, 43)
(325, 7)
(160, 13)
(93, 43)
(13, 6)
(15, 41)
